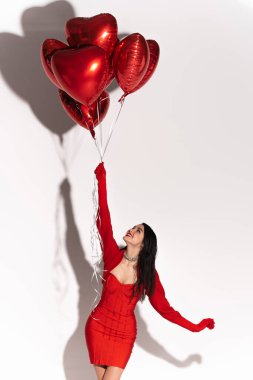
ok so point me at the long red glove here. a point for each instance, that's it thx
(160, 303)
(109, 245)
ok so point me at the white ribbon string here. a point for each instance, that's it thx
(100, 122)
(112, 127)
(96, 242)
(96, 246)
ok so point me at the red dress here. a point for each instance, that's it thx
(110, 330)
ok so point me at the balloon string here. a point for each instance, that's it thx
(100, 120)
(112, 127)
(94, 138)
(99, 149)
(94, 234)
(100, 123)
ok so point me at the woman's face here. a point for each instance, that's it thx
(135, 235)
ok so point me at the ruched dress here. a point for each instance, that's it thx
(110, 330)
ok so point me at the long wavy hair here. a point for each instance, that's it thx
(146, 265)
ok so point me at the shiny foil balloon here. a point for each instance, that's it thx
(154, 57)
(100, 30)
(130, 61)
(47, 50)
(83, 73)
(87, 117)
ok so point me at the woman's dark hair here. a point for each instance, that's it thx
(146, 264)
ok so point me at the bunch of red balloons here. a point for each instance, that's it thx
(94, 56)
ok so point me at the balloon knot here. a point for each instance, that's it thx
(92, 132)
(123, 97)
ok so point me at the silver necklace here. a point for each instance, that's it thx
(135, 258)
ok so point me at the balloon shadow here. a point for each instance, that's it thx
(21, 66)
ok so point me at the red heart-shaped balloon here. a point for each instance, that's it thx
(154, 57)
(87, 117)
(83, 73)
(100, 30)
(47, 50)
(130, 61)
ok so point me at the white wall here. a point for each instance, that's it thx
(180, 159)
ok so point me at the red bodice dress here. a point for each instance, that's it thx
(110, 330)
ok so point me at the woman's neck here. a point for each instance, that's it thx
(131, 257)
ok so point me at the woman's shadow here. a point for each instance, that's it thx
(21, 54)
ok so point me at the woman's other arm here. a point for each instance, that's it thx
(160, 303)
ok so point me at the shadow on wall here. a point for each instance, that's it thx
(22, 70)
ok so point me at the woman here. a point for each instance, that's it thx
(129, 275)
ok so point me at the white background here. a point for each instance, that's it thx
(180, 159)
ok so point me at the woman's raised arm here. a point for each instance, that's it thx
(109, 246)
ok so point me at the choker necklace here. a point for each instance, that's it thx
(130, 258)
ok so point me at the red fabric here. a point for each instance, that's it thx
(110, 339)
